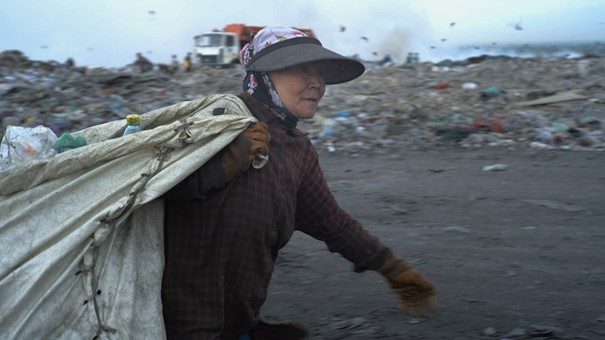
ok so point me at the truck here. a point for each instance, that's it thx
(221, 47)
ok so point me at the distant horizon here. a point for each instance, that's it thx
(545, 42)
(457, 52)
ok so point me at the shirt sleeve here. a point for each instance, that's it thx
(318, 215)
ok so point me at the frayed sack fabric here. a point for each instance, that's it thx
(81, 233)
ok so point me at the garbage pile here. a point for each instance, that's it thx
(67, 98)
(483, 101)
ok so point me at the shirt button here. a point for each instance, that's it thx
(283, 188)
(278, 224)
(280, 154)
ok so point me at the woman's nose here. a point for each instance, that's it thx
(317, 78)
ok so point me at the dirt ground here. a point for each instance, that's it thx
(519, 251)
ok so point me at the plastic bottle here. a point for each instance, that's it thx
(133, 124)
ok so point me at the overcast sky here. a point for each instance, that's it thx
(110, 32)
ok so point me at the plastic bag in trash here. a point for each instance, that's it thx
(23, 143)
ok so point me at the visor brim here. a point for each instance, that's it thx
(339, 69)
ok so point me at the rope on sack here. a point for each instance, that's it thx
(161, 156)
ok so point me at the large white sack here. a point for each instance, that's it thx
(81, 234)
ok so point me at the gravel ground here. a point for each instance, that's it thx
(514, 254)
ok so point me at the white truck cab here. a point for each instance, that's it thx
(216, 48)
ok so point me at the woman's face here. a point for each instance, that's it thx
(300, 87)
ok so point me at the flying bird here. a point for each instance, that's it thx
(375, 53)
(342, 28)
(443, 40)
(364, 39)
(151, 12)
(452, 24)
(432, 47)
(517, 26)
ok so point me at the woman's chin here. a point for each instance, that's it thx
(305, 112)
(306, 115)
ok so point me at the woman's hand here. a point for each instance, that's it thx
(415, 292)
(241, 152)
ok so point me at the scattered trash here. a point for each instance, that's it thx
(344, 114)
(328, 128)
(469, 86)
(489, 331)
(540, 146)
(496, 167)
(133, 124)
(23, 144)
(490, 92)
(560, 127)
(556, 98)
(391, 106)
(68, 142)
(489, 125)
(442, 86)
(415, 321)
(543, 331)
(515, 333)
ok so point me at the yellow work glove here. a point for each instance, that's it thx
(414, 291)
(242, 151)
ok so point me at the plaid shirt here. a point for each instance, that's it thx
(221, 244)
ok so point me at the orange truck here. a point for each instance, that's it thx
(221, 47)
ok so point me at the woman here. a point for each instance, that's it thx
(226, 223)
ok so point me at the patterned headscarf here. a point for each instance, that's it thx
(258, 84)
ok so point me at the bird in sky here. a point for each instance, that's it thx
(452, 24)
(517, 26)
(364, 39)
(342, 28)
